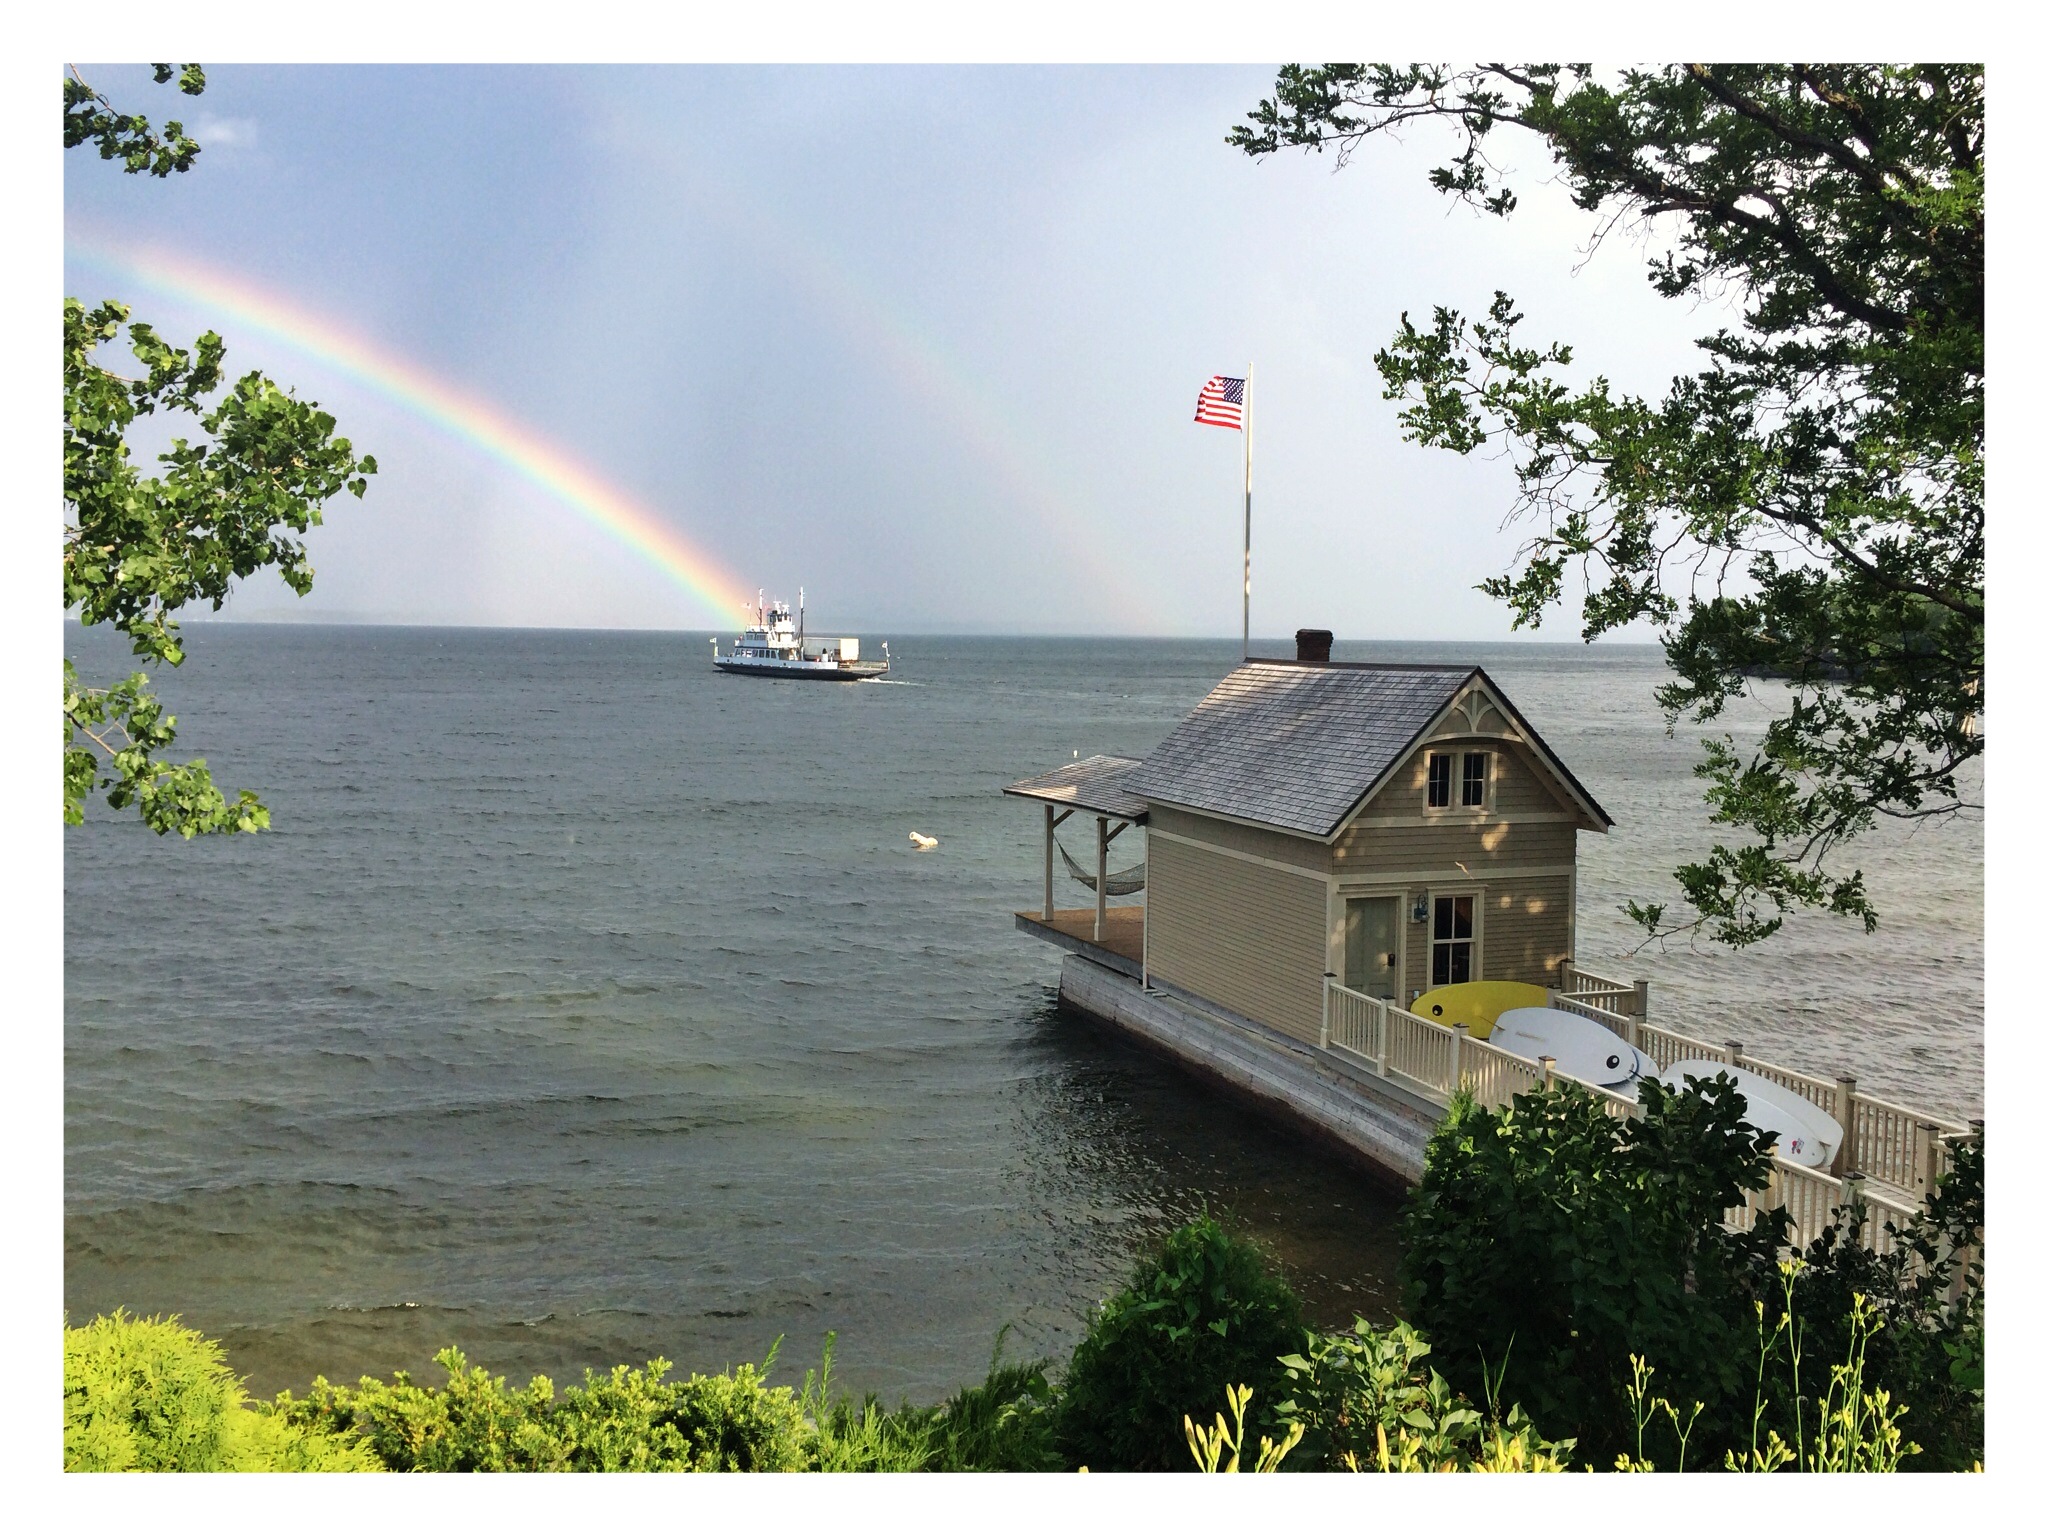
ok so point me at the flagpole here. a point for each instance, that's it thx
(1248, 512)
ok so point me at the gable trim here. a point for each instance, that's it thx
(1525, 736)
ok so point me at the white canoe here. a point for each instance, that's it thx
(1581, 1048)
(1807, 1134)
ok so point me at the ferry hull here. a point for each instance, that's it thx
(834, 672)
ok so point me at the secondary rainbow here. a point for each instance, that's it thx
(476, 422)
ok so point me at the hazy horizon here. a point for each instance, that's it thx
(832, 626)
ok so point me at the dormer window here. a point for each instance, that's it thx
(1464, 775)
(1439, 780)
(1475, 778)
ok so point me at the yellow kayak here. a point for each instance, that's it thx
(1476, 1004)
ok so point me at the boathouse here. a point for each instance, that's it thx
(1396, 827)
(1325, 841)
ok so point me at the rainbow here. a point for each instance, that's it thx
(463, 416)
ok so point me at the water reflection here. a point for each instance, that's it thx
(1147, 1145)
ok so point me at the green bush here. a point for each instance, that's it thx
(628, 1421)
(1920, 1345)
(1003, 1424)
(639, 1421)
(146, 1395)
(1549, 1242)
(1006, 1424)
(1200, 1316)
(1367, 1401)
(860, 1435)
(1559, 1251)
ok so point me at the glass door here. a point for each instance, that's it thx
(1372, 946)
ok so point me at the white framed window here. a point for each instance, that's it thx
(1454, 936)
(1476, 782)
(1460, 781)
(1441, 767)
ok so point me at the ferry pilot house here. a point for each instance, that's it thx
(1399, 827)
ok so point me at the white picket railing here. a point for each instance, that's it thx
(1811, 1199)
(1903, 1148)
(1355, 1023)
(1615, 996)
(1620, 1023)
(1893, 1144)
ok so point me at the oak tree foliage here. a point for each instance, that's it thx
(1809, 504)
(222, 504)
(89, 118)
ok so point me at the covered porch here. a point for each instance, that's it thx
(1121, 945)
(1111, 935)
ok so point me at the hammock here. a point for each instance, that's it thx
(1125, 882)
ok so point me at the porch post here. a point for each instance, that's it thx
(1101, 873)
(1845, 1112)
(1048, 862)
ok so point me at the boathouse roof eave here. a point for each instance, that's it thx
(1092, 784)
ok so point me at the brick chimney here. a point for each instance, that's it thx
(1312, 645)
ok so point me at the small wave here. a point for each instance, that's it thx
(388, 1306)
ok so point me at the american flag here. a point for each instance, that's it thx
(1221, 403)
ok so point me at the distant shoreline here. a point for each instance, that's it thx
(1268, 645)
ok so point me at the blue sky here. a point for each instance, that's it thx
(925, 340)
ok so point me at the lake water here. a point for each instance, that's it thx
(585, 1004)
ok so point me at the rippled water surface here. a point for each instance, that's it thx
(586, 1005)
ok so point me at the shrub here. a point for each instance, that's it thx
(630, 1420)
(1201, 1315)
(848, 1435)
(1549, 1242)
(1365, 1401)
(1893, 1315)
(1557, 1250)
(146, 1395)
(1003, 1424)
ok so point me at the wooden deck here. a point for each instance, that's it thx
(1122, 947)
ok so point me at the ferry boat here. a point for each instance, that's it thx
(774, 647)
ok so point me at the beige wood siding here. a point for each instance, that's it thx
(1478, 845)
(1528, 929)
(1242, 934)
(1524, 930)
(1281, 847)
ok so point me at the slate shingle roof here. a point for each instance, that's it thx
(1093, 784)
(1294, 746)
